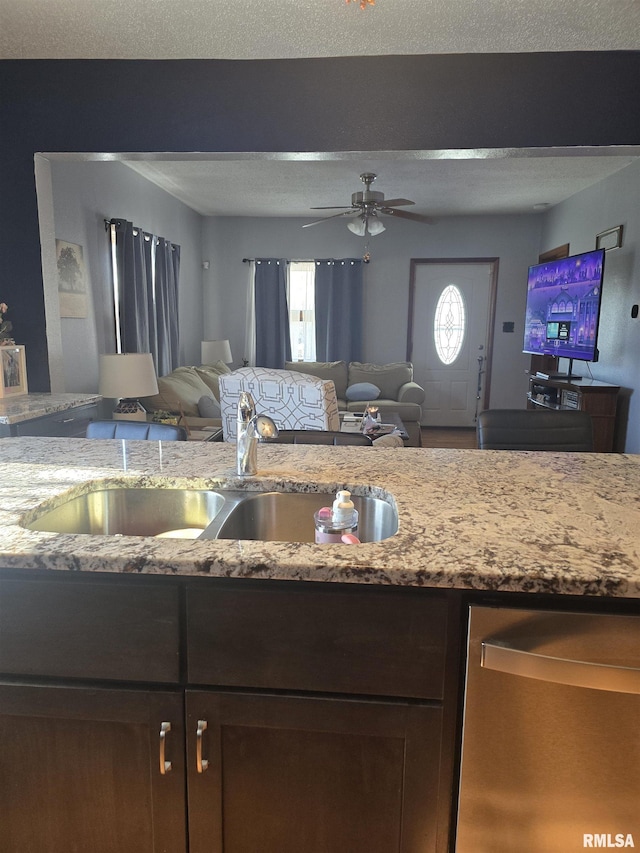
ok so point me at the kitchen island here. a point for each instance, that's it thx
(269, 696)
(491, 520)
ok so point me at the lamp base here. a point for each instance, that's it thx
(129, 410)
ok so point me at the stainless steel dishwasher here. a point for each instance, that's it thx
(551, 733)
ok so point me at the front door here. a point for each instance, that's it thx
(451, 308)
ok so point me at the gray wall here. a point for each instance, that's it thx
(614, 201)
(84, 195)
(514, 240)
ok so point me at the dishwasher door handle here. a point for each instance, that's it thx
(500, 656)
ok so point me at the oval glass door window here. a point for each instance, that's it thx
(449, 324)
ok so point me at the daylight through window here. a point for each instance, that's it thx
(449, 324)
(302, 318)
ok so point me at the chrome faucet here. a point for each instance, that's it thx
(251, 427)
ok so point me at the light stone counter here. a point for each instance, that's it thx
(14, 410)
(485, 520)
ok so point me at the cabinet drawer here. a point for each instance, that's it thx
(357, 641)
(62, 628)
(70, 423)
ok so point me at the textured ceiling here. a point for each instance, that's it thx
(511, 183)
(269, 29)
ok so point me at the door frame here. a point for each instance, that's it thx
(494, 264)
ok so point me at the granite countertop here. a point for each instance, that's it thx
(468, 519)
(13, 410)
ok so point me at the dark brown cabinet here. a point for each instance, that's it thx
(79, 771)
(319, 718)
(286, 774)
(599, 399)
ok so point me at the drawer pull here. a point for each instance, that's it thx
(165, 766)
(201, 763)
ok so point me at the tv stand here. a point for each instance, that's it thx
(566, 376)
(556, 375)
(599, 399)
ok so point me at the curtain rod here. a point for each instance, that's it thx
(253, 260)
(296, 260)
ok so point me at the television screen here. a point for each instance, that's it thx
(563, 306)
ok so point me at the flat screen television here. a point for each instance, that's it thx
(563, 307)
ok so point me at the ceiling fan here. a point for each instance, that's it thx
(366, 207)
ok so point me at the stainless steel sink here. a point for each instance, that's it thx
(288, 517)
(133, 512)
(207, 514)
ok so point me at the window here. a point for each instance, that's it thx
(449, 324)
(302, 319)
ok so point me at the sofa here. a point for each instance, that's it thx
(194, 392)
(389, 386)
(190, 392)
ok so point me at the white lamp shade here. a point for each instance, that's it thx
(212, 351)
(127, 375)
(374, 225)
(366, 223)
(357, 226)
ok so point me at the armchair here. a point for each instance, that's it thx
(293, 400)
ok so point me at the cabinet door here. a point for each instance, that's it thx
(69, 423)
(287, 774)
(80, 771)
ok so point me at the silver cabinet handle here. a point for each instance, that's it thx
(201, 763)
(599, 676)
(165, 766)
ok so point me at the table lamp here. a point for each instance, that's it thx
(212, 351)
(127, 377)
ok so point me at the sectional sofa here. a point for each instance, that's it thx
(392, 388)
(194, 391)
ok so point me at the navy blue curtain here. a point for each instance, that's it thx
(133, 271)
(273, 341)
(167, 272)
(338, 308)
(146, 310)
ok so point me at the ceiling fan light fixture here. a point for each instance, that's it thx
(358, 225)
(375, 226)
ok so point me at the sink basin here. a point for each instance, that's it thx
(134, 512)
(207, 514)
(288, 517)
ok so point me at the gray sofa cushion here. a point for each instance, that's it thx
(208, 407)
(336, 370)
(178, 391)
(362, 391)
(210, 375)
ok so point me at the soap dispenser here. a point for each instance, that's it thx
(338, 523)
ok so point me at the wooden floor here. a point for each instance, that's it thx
(457, 437)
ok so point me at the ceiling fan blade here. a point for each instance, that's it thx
(350, 212)
(333, 207)
(403, 214)
(397, 202)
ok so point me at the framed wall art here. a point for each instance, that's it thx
(13, 365)
(72, 279)
(609, 239)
